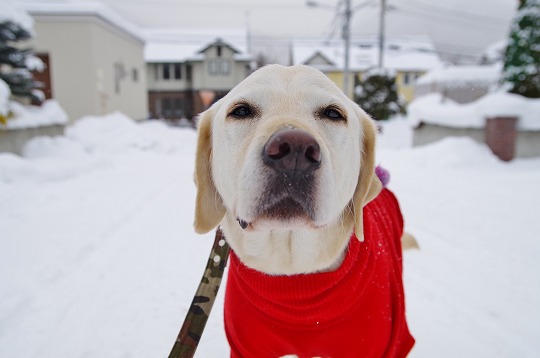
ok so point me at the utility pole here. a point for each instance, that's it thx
(381, 33)
(248, 32)
(347, 39)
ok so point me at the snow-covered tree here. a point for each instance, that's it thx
(521, 73)
(16, 63)
(376, 93)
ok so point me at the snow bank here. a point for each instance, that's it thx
(49, 113)
(104, 262)
(453, 152)
(435, 109)
(91, 144)
(118, 134)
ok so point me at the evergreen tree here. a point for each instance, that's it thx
(521, 71)
(15, 62)
(377, 95)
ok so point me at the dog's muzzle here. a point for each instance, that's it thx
(291, 157)
(293, 152)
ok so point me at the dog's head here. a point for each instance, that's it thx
(285, 160)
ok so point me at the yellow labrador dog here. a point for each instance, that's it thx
(285, 164)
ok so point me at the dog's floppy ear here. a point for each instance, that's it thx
(209, 208)
(369, 185)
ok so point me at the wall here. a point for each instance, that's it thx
(13, 140)
(67, 43)
(405, 84)
(86, 56)
(337, 77)
(527, 143)
(429, 133)
(116, 56)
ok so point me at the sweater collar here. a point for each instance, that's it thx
(307, 299)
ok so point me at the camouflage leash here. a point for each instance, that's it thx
(199, 311)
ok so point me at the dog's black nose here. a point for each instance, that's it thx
(292, 151)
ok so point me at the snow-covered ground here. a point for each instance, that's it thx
(98, 257)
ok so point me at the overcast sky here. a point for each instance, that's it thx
(457, 27)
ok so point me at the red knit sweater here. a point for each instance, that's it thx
(356, 311)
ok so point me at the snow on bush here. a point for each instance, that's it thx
(49, 113)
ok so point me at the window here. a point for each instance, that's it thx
(166, 107)
(178, 111)
(218, 50)
(166, 71)
(219, 67)
(406, 78)
(188, 72)
(135, 75)
(212, 67)
(177, 71)
(224, 70)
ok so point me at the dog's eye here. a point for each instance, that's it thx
(241, 112)
(333, 114)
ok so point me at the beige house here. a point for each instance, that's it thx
(190, 69)
(94, 58)
(407, 58)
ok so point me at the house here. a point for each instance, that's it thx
(407, 58)
(188, 69)
(94, 59)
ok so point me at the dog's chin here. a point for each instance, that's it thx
(268, 224)
(287, 214)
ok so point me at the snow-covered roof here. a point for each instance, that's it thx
(180, 45)
(459, 76)
(433, 109)
(402, 54)
(86, 8)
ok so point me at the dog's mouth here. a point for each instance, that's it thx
(285, 211)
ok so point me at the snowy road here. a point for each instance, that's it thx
(99, 258)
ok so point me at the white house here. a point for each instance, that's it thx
(190, 69)
(94, 59)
